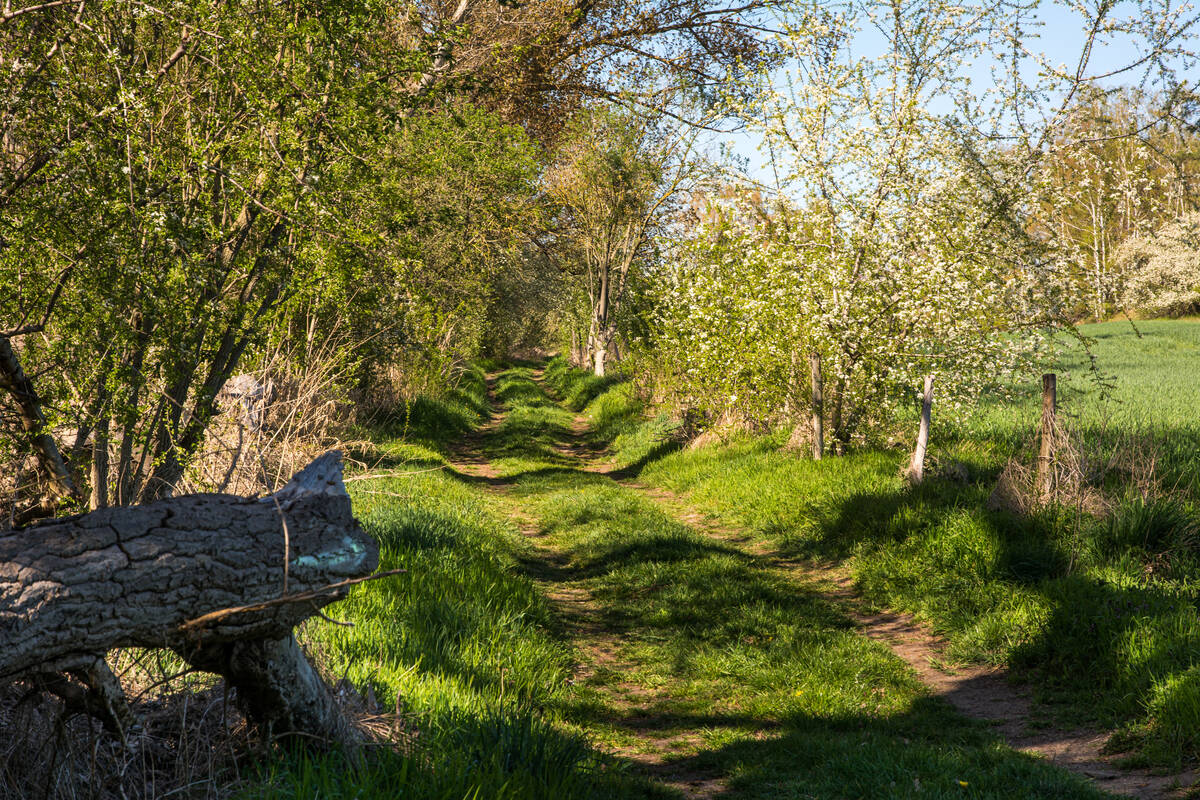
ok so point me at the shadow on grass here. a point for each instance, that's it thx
(1095, 631)
(926, 751)
(727, 641)
(504, 753)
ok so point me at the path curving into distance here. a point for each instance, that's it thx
(662, 692)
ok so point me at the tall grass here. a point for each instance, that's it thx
(461, 646)
(1097, 610)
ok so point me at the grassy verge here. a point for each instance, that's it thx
(461, 644)
(1099, 612)
(709, 661)
(422, 428)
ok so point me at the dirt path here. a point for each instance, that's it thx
(599, 646)
(975, 691)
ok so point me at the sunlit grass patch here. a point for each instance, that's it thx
(1099, 612)
(463, 645)
(763, 666)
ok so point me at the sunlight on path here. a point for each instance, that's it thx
(716, 668)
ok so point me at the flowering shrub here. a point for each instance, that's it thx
(1163, 269)
(899, 245)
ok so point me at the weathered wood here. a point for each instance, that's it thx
(72, 589)
(1049, 432)
(96, 691)
(916, 468)
(278, 688)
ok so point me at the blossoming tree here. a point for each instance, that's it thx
(904, 240)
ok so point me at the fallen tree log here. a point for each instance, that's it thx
(221, 580)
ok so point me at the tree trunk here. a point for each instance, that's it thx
(840, 435)
(278, 688)
(598, 358)
(916, 468)
(601, 332)
(14, 380)
(818, 406)
(99, 497)
(222, 580)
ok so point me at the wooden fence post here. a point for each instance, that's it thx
(916, 469)
(818, 410)
(1045, 467)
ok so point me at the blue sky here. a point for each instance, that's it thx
(1056, 30)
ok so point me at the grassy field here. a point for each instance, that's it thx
(1127, 384)
(1097, 611)
(558, 635)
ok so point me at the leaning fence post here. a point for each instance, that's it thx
(916, 469)
(1045, 467)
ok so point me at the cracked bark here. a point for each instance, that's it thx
(203, 575)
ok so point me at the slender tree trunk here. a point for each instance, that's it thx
(601, 334)
(14, 380)
(99, 476)
(1049, 434)
(128, 479)
(818, 406)
(839, 434)
(916, 468)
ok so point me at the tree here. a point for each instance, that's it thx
(161, 174)
(1163, 269)
(1120, 167)
(538, 63)
(905, 240)
(612, 180)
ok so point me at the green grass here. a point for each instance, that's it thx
(1098, 613)
(736, 666)
(728, 664)
(462, 641)
(575, 388)
(1122, 390)
(421, 428)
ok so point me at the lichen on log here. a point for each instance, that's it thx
(220, 579)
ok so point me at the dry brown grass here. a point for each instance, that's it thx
(192, 740)
(258, 443)
(1087, 464)
(190, 744)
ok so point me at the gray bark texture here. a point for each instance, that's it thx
(220, 579)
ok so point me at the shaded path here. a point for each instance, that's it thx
(975, 691)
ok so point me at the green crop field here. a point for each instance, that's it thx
(1142, 376)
